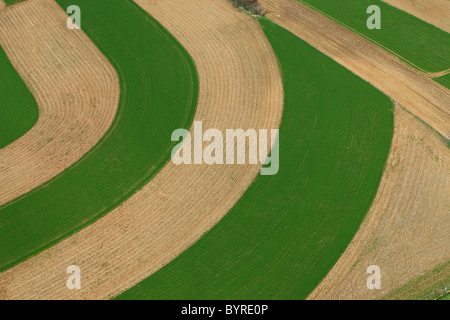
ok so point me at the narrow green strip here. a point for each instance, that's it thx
(11, 2)
(414, 41)
(159, 88)
(18, 109)
(288, 230)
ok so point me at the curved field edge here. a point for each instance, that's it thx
(288, 230)
(410, 39)
(159, 89)
(19, 111)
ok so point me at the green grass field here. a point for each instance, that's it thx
(159, 89)
(19, 111)
(420, 43)
(288, 230)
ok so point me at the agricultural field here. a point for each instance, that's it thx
(434, 12)
(132, 151)
(332, 150)
(72, 119)
(224, 150)
(20, 112)
(129, 242)
(407, 86)
(427, 50)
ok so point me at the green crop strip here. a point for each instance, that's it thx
(412, 40)
(18, 110)
(159, 89)
(288, 230)
(11, 2)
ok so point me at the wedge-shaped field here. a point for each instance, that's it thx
(444, 80)
(19, 110)
(413, 40)
(435, 12)
(159, 91)
(288, 230)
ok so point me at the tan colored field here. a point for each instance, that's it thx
(407, 230)
(415, 91)
(240, 87)
(435, 12)
(2, 4)
(76, 88)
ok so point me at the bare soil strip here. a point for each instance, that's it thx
(407, 229)
(435, 12)
(240, 87)
(415, 91)
(76, 88)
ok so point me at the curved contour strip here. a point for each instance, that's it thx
(240, 87)
(76, 89)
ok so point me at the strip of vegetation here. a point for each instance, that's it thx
(432, 285)
(159, 89)
(416, 42)
(288, 230)
(19, 111)
(11, 2)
